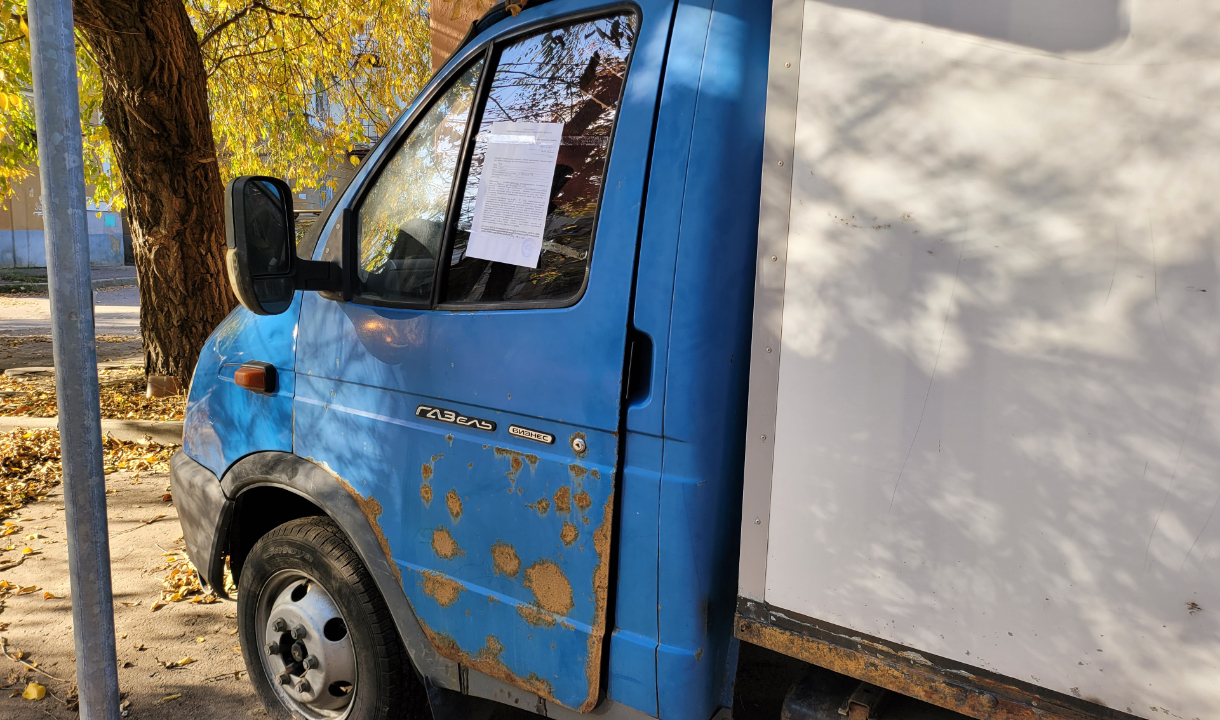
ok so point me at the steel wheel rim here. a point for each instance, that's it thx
(303, 637)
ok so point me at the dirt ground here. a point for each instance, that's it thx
(42, 628)
(25, 328)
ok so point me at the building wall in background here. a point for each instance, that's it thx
(450, 20)
(22, 243)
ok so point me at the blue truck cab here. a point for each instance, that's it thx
(481, 436)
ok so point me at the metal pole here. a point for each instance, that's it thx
(61, 165)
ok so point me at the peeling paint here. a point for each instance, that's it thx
(505, 560)
(371, 509)
(577, 472)
(516, 461)
(425, 471)
(454, 503)
(601, 589)
(552, 589)
(487, 660)
(569, 533)
(888, 669)
(583, 501)
(425, 494)
(542, 505)
(441, 588)
(595, 474)
(444, 545)
(534, 615)
(563, 500)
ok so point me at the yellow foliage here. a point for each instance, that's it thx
(290, 83)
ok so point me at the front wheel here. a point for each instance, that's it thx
(318, 640)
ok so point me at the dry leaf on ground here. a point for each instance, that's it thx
(30, 465)
(34, 691)
(122, 394)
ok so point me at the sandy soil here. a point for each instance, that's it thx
(41, 628)
(116, 314)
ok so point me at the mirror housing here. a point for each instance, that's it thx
(260, 247)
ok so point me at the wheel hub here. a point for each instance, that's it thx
(308, 653)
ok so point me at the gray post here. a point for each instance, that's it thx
(60, 162)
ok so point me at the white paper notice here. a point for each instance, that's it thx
(514, 192)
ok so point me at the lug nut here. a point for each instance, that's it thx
(273, 648)
(298, 632)
(279, 625)
(283, 678)
(303, 687)
(311, 662)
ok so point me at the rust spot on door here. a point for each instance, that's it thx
(535, 615)
(563, 500)
(444, 545)
(425, 471)
(449, 437)
(577, 472)
(583, 501)
(516, 461)
(569, 533)
(601, 589)
(454, 503)
(595, 474)
(441, 588)
(425, 494)
(551, 588)
(542, 505)
(487, 660)
(505, 560)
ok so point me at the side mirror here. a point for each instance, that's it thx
(260, 254)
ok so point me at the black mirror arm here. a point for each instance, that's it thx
(318, 275)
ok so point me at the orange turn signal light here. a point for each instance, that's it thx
(256, 376)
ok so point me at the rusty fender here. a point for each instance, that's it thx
(358, 517)
(962, 689)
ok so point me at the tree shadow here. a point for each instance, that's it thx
(1051, 25)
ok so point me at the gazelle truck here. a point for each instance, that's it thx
(882, 334)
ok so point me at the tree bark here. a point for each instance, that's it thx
(155, 102)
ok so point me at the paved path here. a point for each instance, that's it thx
(116, 318)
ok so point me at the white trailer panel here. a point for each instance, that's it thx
(994, 414)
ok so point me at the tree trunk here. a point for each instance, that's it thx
(155, 101)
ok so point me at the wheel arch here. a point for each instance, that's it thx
(271, 488)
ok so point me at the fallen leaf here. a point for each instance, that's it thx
(198, 639)
(167, 497)
(34, 691)
(156, 606)
(233, 631)
(140, 647)
(48, 596)
(179, 663)
(175, 696)
(27, 590)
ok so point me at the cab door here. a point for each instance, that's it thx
(470, 390)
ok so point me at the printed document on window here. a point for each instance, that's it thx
(514, 192)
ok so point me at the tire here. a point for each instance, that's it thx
(335, 631)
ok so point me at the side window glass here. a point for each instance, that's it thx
(401, 220)
(525, 228)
